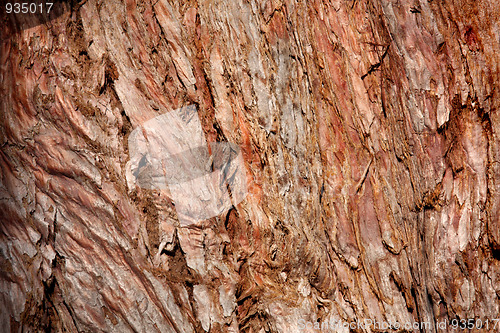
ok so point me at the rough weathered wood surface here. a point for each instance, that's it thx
(370, 133)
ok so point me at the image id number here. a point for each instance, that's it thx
(28, 8)
(475, 324)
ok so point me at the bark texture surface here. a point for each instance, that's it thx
(370, 134)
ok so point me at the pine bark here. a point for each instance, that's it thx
(369, 130)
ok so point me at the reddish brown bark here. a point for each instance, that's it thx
(369, 131)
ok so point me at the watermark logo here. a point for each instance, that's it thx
(365, 325)
(170, 152)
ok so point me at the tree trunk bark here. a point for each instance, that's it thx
(369, 133)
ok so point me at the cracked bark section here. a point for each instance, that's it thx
(369, 130)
